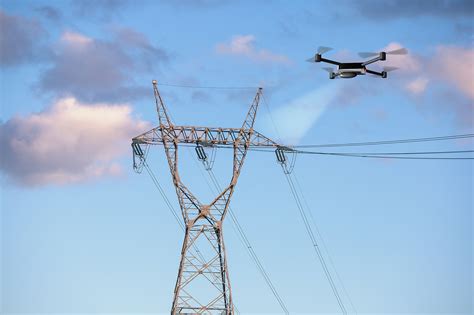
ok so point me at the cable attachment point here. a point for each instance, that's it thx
(203, 157)
(139, 156)
(287, 164)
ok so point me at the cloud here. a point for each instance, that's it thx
(67, 143)
(20, 39)
(450, 64)
(393, 9)
(297, 117)
(447, 68)
(406, 63)
(456, 66)
(417, 86)
(98, 70)
(244, 45)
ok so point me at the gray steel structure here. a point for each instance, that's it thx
(203, 283)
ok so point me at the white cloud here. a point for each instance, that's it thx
(297, 117)
(244, 45)
(67, 143)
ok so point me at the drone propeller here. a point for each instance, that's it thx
(400, 51)
(323, 49)
(388, 69)
(310, 59)
(330, 70)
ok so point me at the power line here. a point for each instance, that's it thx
(318, 233)
(314, 242)
(383, 142)
(380, 155)
(376, 156)
(413, 153)
(267, 107)
(208, 87)
(308, 227)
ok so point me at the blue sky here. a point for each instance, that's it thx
(82, 233)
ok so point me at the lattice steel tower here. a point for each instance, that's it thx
(203, 284)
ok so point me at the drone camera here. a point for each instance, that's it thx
(332, 75)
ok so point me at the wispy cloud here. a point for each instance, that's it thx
(456, 66)
(298, 116)
(244, 46)
(417, 86)
(67, 143)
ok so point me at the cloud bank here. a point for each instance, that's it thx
(69, 142)
(97, 70)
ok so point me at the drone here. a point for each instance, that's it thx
(351, 69)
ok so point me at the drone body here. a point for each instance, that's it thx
(352, 69)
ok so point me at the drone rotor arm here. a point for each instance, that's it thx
(368, 62)
(375, 72)
(330, 61)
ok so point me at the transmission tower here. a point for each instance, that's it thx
(203, 282)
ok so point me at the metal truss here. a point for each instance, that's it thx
(203, 284)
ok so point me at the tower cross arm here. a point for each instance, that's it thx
(206, 136)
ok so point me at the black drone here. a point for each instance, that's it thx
(351, 69)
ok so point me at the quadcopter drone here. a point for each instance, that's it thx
(351, 69)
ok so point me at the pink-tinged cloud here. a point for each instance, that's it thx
(405, 63)
(76, 39)
(456, 66)
(451, 64)
(67, 143)
(244, 45)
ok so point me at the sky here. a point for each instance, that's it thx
(81, 233)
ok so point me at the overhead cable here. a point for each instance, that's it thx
(383, 142)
